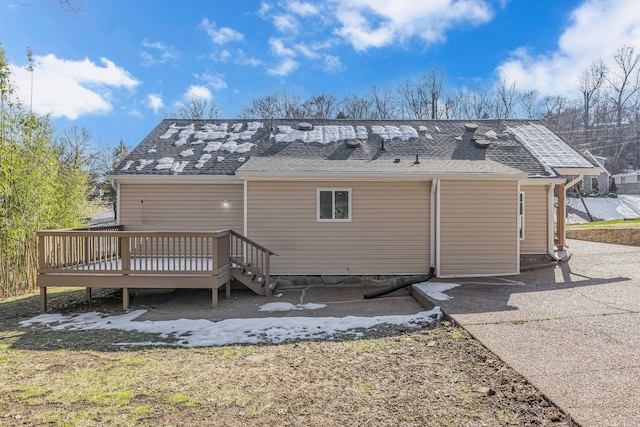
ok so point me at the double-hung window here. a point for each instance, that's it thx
(334, 204)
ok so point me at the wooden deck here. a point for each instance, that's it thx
(111, 257)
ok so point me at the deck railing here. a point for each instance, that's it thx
(108, 250)
(112, 257)
(252, 258)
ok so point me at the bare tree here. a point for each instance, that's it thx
(277, 105)
(414, 102)
(474, 104)
(197, 109)
(624, 84)
(356, 107)
(434, 81)
(590, 83)
(504, 102)
(530, 104)
(384, 105)
(452, 106)
(74, 147)
(321, 106)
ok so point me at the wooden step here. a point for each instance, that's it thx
(247, 279)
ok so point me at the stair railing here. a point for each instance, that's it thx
(253, 259)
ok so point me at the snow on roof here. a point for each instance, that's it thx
(127, 165)
(322, 139)
(320, 134)
(547, 147)
(391, 132)
(201, 332)
(143, 163)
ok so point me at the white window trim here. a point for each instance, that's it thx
(333, 190)
(521, 211)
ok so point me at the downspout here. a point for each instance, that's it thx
(519, 242)
(118, 203)
(437, 230)
(244, 210)
(550, 212)
(434, 222)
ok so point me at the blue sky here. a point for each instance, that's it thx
(118, 67)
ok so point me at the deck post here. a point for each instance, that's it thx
(125, 298)
(267, 276)
(43, 299)
(125, 253)
(214, 297)
(87, 294)
(561, 213)
(227, 287)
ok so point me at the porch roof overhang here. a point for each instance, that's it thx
(406, 169)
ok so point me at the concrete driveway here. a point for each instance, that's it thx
(573, 331)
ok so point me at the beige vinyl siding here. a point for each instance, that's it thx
(181, 207)
(388, 232)
(536, 219)
(478, 228)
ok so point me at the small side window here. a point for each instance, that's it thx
(334, 204)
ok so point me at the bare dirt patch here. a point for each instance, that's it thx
(430, 377)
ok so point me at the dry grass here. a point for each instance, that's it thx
(434, 377)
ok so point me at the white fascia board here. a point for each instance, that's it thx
(579, 171)
(175, 179)
(541, 181)
(279, 176)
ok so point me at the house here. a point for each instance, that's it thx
(596, 184)
(628, 182)
(358, 197)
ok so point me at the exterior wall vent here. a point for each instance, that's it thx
(305, 126)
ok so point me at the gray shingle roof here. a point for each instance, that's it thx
(220, 147)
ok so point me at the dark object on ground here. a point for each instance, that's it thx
(401, 285)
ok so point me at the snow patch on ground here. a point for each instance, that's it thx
(624, 206)
(287, 306)
(202, 333)
(436, 290)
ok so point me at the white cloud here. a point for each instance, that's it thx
(302, 8)
(135, 113)
(284, 68)
(279, 49)
(214, 81)
(332, 64)
(596, 29)
(198, 92)
(242, 59)
(154, 101)
(369, 24)
(223, 56)
(265, 8)
(285, 23)
(71, 88)
(221, 35)
(306, 51)
(165, 53)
